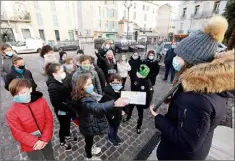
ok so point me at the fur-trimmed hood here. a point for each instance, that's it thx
(214, 77)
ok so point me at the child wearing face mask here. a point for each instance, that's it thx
(47, 56)
(92, 115)
(69, 66)
(135, 63)
(63, 56)
(142, 84)
(86, 69)
(153, 65)
(112, 92)
(123, 67)
(59, 89)
(7, 55)
(30, 120)
(18, 71)
(109, 62)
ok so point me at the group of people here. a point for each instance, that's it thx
(88, 91)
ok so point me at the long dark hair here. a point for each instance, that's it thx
(45, 49)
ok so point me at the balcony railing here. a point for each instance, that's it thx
(25, 17)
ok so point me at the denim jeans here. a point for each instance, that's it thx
(169, 68)
(113, 130)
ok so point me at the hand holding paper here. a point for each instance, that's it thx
(121, 102)
(138, 98)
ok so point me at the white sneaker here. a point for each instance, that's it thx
(94, 158)
(95, 150)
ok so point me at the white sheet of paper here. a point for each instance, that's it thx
(138, 98)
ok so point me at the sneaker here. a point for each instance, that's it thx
(70, 138)
(113, 142)
(94, 158)
(95, 150)
(119, 140)
(66, 146)
(138, 131)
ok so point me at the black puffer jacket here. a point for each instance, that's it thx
(196, 109)
(92, 119)
(114, 116)
(135, 65)
(101, 75)
(60, 93)
(13, 75)
(144, 85)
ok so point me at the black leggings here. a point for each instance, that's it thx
(140, 110)
(64, 121)
(88, 147)
(123, 82)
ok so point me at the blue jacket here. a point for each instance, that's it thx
(170, 54)
(196, 109)
(92, 115)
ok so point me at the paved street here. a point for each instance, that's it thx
(132, 144)
(128, 150)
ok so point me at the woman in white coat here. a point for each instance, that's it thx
(123, 67)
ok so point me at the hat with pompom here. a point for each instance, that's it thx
(200, 46)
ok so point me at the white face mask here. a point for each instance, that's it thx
(62, 75)
(151, 57)
(107, 46)
(135, 57)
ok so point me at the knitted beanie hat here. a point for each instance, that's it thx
(144, 70)
(200, 47)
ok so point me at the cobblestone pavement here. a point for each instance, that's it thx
(126, 151)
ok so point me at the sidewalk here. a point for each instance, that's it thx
(222, 145)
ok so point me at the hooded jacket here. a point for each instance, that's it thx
(13, 75)
(60, 93)
(196, 109)
(152, 64)
(92, 120)
(135, 65)
(94, 76)
(6, 62)
(114, 116)
(22, 123)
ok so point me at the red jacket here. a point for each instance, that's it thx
(22, 124)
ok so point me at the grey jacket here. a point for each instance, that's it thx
(94, 76)
(6, 64)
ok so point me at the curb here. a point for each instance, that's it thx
(145, 152)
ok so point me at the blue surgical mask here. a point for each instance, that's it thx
(90, 89)
(116, 87)
(176, 64)
(9, 53)
(68, 66)
(23, 98)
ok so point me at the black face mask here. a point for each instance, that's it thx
(21, 67)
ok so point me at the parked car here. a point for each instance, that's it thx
(121, 47)
(28, 46)
(134, 46)
(66, 45)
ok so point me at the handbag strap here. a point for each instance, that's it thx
(34, 118)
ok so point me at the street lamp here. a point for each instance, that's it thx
(128, 6)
